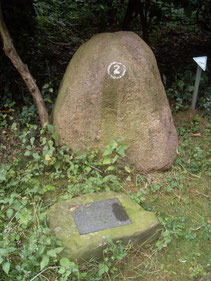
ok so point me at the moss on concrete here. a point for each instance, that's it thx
(144, 226)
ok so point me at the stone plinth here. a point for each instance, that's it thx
(116, 215)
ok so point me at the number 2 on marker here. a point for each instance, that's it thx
(117, 69)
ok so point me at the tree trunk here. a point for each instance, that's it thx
(131, 9)
(135, 8)
(22, 68)
(144, 23)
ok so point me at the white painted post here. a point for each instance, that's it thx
(202, 64)
(196, 87)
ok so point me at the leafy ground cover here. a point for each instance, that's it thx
(35, 173)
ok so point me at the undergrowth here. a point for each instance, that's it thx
(35, 173)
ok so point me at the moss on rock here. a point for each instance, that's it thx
(144, 226)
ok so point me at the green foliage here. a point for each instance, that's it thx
(72, 19)
(113, 253)
(195, 12)
(25, 242)
(193, 158)
(173, 229)
(182, 88)
(35, 173)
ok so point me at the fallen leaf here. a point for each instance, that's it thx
(47, 157)
(146, 255)
(73, 208)
(139, 258)
(181, 260)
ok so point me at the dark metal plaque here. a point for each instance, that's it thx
(100, 215)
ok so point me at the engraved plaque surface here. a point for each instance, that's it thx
(99, 215)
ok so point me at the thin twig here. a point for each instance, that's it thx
(202, 194)
(6, 111)
(93, 167)
(51, 267)
(199, 177)
(179, 197)
(195, 229)
(44, 277)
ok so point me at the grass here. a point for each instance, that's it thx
(183, 203)
(188, 254)
(180, 198)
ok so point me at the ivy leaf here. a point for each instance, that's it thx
(3, 172)
(44, 262)
(55, 136)
(120, 139)
(64, 262)
(127, 169)
(115, 159)
(102, 268)
(6, 267)
(27, 153)
(62, 270)
(14, 126)
(107, 161)
(9, 213)
(32, 140)
(46, 86)
(51, 128)
(121, 150)
(53, 253)
(113, 144)
(108, 151)
(111, 168)
(36, 156)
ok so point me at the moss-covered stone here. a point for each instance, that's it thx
(144, 227)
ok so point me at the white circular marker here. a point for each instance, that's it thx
(116, 70)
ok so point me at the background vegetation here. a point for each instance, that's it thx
(47, 33)
(35, 173)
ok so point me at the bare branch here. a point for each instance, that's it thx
(22, 68)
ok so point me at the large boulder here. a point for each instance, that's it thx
(112, 88)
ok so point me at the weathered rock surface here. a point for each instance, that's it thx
(144, 227)
(112, 88)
